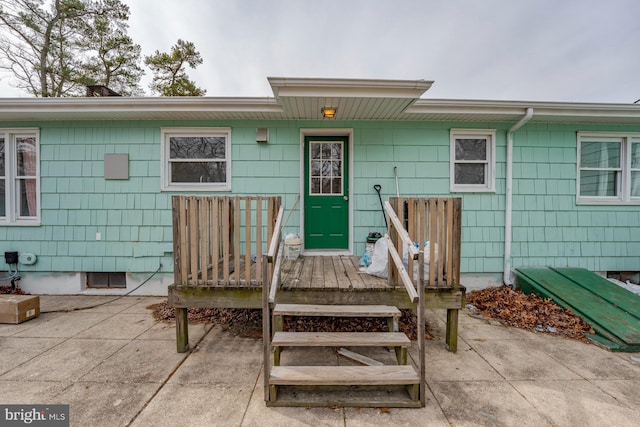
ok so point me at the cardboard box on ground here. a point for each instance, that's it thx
(18, 308)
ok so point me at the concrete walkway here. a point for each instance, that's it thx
(114, 365)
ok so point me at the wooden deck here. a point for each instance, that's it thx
(214, 267)
(328, 273)
(215, 239)
(312, 280)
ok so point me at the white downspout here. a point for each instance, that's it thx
(506, 278)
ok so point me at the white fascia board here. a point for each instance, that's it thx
(126, 104)
(542, 109)
(365, 88)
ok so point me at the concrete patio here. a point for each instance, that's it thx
(115, 365)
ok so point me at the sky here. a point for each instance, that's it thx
(526, 50)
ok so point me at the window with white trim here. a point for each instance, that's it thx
(19, 177)
(473, 162)
(608, 168)
(196, 159)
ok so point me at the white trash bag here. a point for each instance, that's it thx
(380, 260)
(427, 251)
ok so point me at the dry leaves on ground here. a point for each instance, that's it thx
(530, 312)
(7, 290)
(248, 322)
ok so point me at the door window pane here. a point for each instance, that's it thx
(325, 171)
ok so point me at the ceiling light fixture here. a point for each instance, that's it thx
(329, 112)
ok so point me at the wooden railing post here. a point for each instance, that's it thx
(177, 247)
(266, 328)
(421, 327)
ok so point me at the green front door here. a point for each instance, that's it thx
(326, 192)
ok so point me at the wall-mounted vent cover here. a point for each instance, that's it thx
(106, 280)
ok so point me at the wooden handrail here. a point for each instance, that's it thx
(274, 255)
(404, 276)
(275, 238)
(275, 279)
(266, 331)
(404, 236)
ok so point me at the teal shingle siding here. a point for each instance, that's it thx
(134, 216)
(549, 228)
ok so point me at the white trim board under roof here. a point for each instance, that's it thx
(507, 111)
(303, 99)
(139, 108)
(354, 99)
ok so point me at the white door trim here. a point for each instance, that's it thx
(345, 132)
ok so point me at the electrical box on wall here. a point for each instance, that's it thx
(27, 258)
(11, 257)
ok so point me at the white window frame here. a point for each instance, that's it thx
(624, 193)
(167, 185)
(490, 161)
(12, 216)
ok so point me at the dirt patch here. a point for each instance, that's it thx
(531, 312)
(248, 322)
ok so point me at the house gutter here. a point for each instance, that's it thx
(508, 210)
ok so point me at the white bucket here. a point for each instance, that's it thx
(292, 246)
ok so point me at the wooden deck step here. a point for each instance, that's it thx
(336, 310)
(338, 339)
(344, 375)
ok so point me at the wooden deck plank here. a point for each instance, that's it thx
(369, 281)
(317, 276)
(291, 272)
(344, 375)
(341, 339)
(329, 273)
(350, 266)
(305, 275)
(341, 274)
